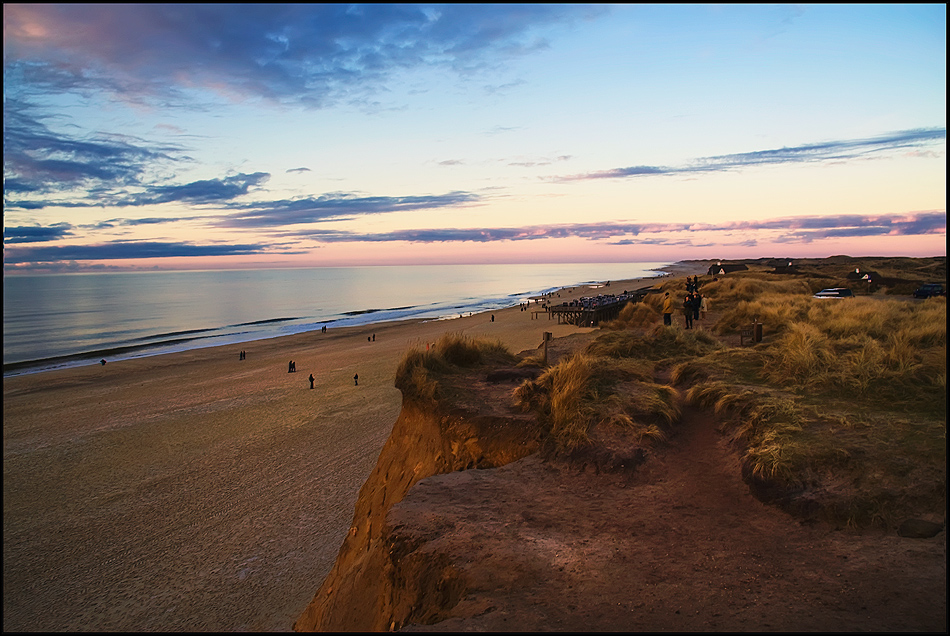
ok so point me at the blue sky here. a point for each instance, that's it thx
(215, 136)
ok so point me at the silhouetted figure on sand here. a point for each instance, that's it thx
(356, 380)
(311, 380)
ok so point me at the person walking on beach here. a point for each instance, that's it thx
(356, 379)
(667, 310)
(311, 380)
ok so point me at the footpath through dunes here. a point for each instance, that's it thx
(678, 545)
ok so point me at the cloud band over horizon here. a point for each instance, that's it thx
(306, 134)
(795, 229)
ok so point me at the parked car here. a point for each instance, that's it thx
(930, 289)
(835, 292)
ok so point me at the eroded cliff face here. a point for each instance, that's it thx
(364, 591)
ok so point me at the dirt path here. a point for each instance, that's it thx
(680, 546)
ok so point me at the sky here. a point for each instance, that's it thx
(154, 136)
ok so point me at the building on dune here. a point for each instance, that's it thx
(721, 269)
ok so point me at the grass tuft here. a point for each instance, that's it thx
(585, 391)
(418, 373)
(562, 397)
(634, 315)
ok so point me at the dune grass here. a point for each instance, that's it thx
(563, 397)
(848, 466)
(656, 344)
(639, 314)
(419, 372)
(886, 352)
(839, 413)
(842, 406)
(611, 383)
(749, 287)
(585, 391)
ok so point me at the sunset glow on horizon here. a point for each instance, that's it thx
(140, 137)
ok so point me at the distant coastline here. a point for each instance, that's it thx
(265, 328)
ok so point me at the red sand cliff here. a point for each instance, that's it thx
(358, 593)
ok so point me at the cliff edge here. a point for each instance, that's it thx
(368, 588)
(619, 535)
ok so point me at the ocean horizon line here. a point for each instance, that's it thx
(177, 340)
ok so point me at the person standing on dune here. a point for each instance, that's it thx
(667, 310)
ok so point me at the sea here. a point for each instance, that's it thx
(65, 320)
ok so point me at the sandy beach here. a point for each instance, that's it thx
(198, 491)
